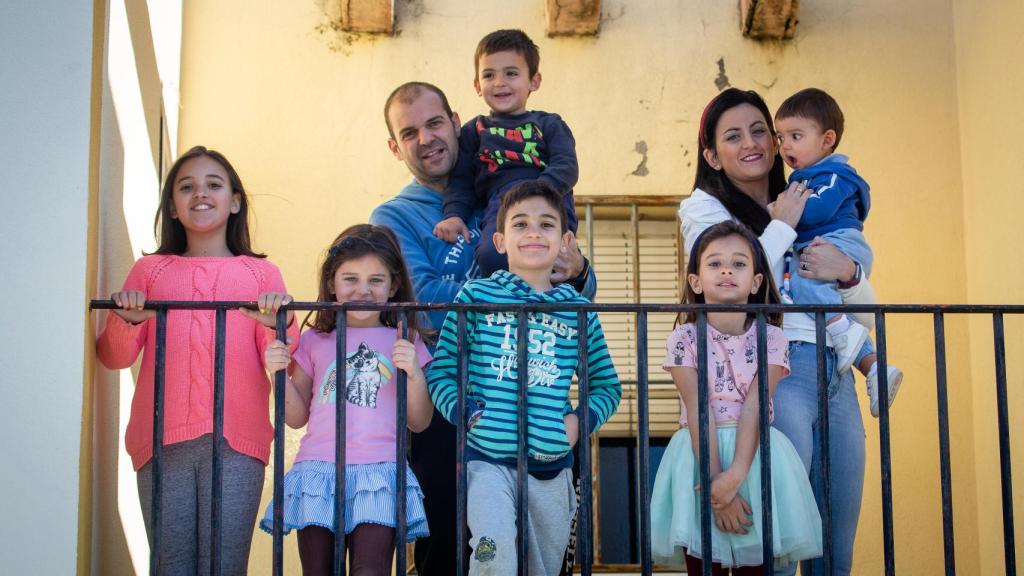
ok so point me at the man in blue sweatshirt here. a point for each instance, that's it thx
(423, 133)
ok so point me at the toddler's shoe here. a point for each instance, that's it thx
(895, 379)
(848, 344)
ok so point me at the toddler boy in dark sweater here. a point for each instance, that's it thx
(507, 146)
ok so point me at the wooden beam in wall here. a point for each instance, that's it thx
(573, 17)
(769, 19)
(372, 16)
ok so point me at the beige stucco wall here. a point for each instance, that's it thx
(990, 80)
(296, 105)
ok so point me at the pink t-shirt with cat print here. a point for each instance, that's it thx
(370, 391)
(732, 365)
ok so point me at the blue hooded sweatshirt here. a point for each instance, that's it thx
(438, 268)
(841, 198)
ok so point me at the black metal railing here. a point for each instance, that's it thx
(585, 527)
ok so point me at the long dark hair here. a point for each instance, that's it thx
(717, 182)
(766, 293)
(354, 243)
(171, 233)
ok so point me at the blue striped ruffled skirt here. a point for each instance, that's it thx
(369, 498)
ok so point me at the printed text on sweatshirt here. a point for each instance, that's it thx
(493, 371)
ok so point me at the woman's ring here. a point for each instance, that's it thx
(803, 265)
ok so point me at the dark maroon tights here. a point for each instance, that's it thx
(370, 550)
(694, 567)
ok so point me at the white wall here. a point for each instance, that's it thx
(45, 81)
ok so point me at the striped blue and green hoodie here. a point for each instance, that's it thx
(493, 381)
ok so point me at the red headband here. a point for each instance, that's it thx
(703, 119)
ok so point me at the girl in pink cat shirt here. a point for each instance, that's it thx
(364, 264)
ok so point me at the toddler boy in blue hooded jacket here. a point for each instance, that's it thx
(810, 125)
(531, 231)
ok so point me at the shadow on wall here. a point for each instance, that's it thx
(115, 497)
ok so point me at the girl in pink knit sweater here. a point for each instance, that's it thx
(204, 255)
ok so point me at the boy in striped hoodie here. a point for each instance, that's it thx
(532, 230)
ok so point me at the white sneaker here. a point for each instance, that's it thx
(848, 344)
(895, 379)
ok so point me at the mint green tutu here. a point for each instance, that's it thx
(675, 506)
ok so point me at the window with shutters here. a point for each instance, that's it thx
(633, 244)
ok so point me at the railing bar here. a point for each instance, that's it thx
(340, 437)
(159, 378)
(764, 397)
(1006, 474)
(644, 422)
(584, 524)
(216, 508)
(703, 414)
(823, 446)
(604, 308)
(401, 435)
(522, 503)
(885, 446)
(460, 447)
(944, 461)
(280, 382)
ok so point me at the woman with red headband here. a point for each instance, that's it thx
(740, 177)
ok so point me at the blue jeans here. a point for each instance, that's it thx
(796, 416)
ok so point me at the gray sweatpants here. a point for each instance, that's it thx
(187, 469)
(492, 520)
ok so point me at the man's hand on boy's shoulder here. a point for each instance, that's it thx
(570, 262)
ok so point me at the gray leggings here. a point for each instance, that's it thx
(187, 485)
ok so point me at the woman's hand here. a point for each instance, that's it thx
(733, 517)
(131, 304)
(789, 205)
(821, 260)
(268, 304)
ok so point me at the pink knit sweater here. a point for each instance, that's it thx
(189, 357)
